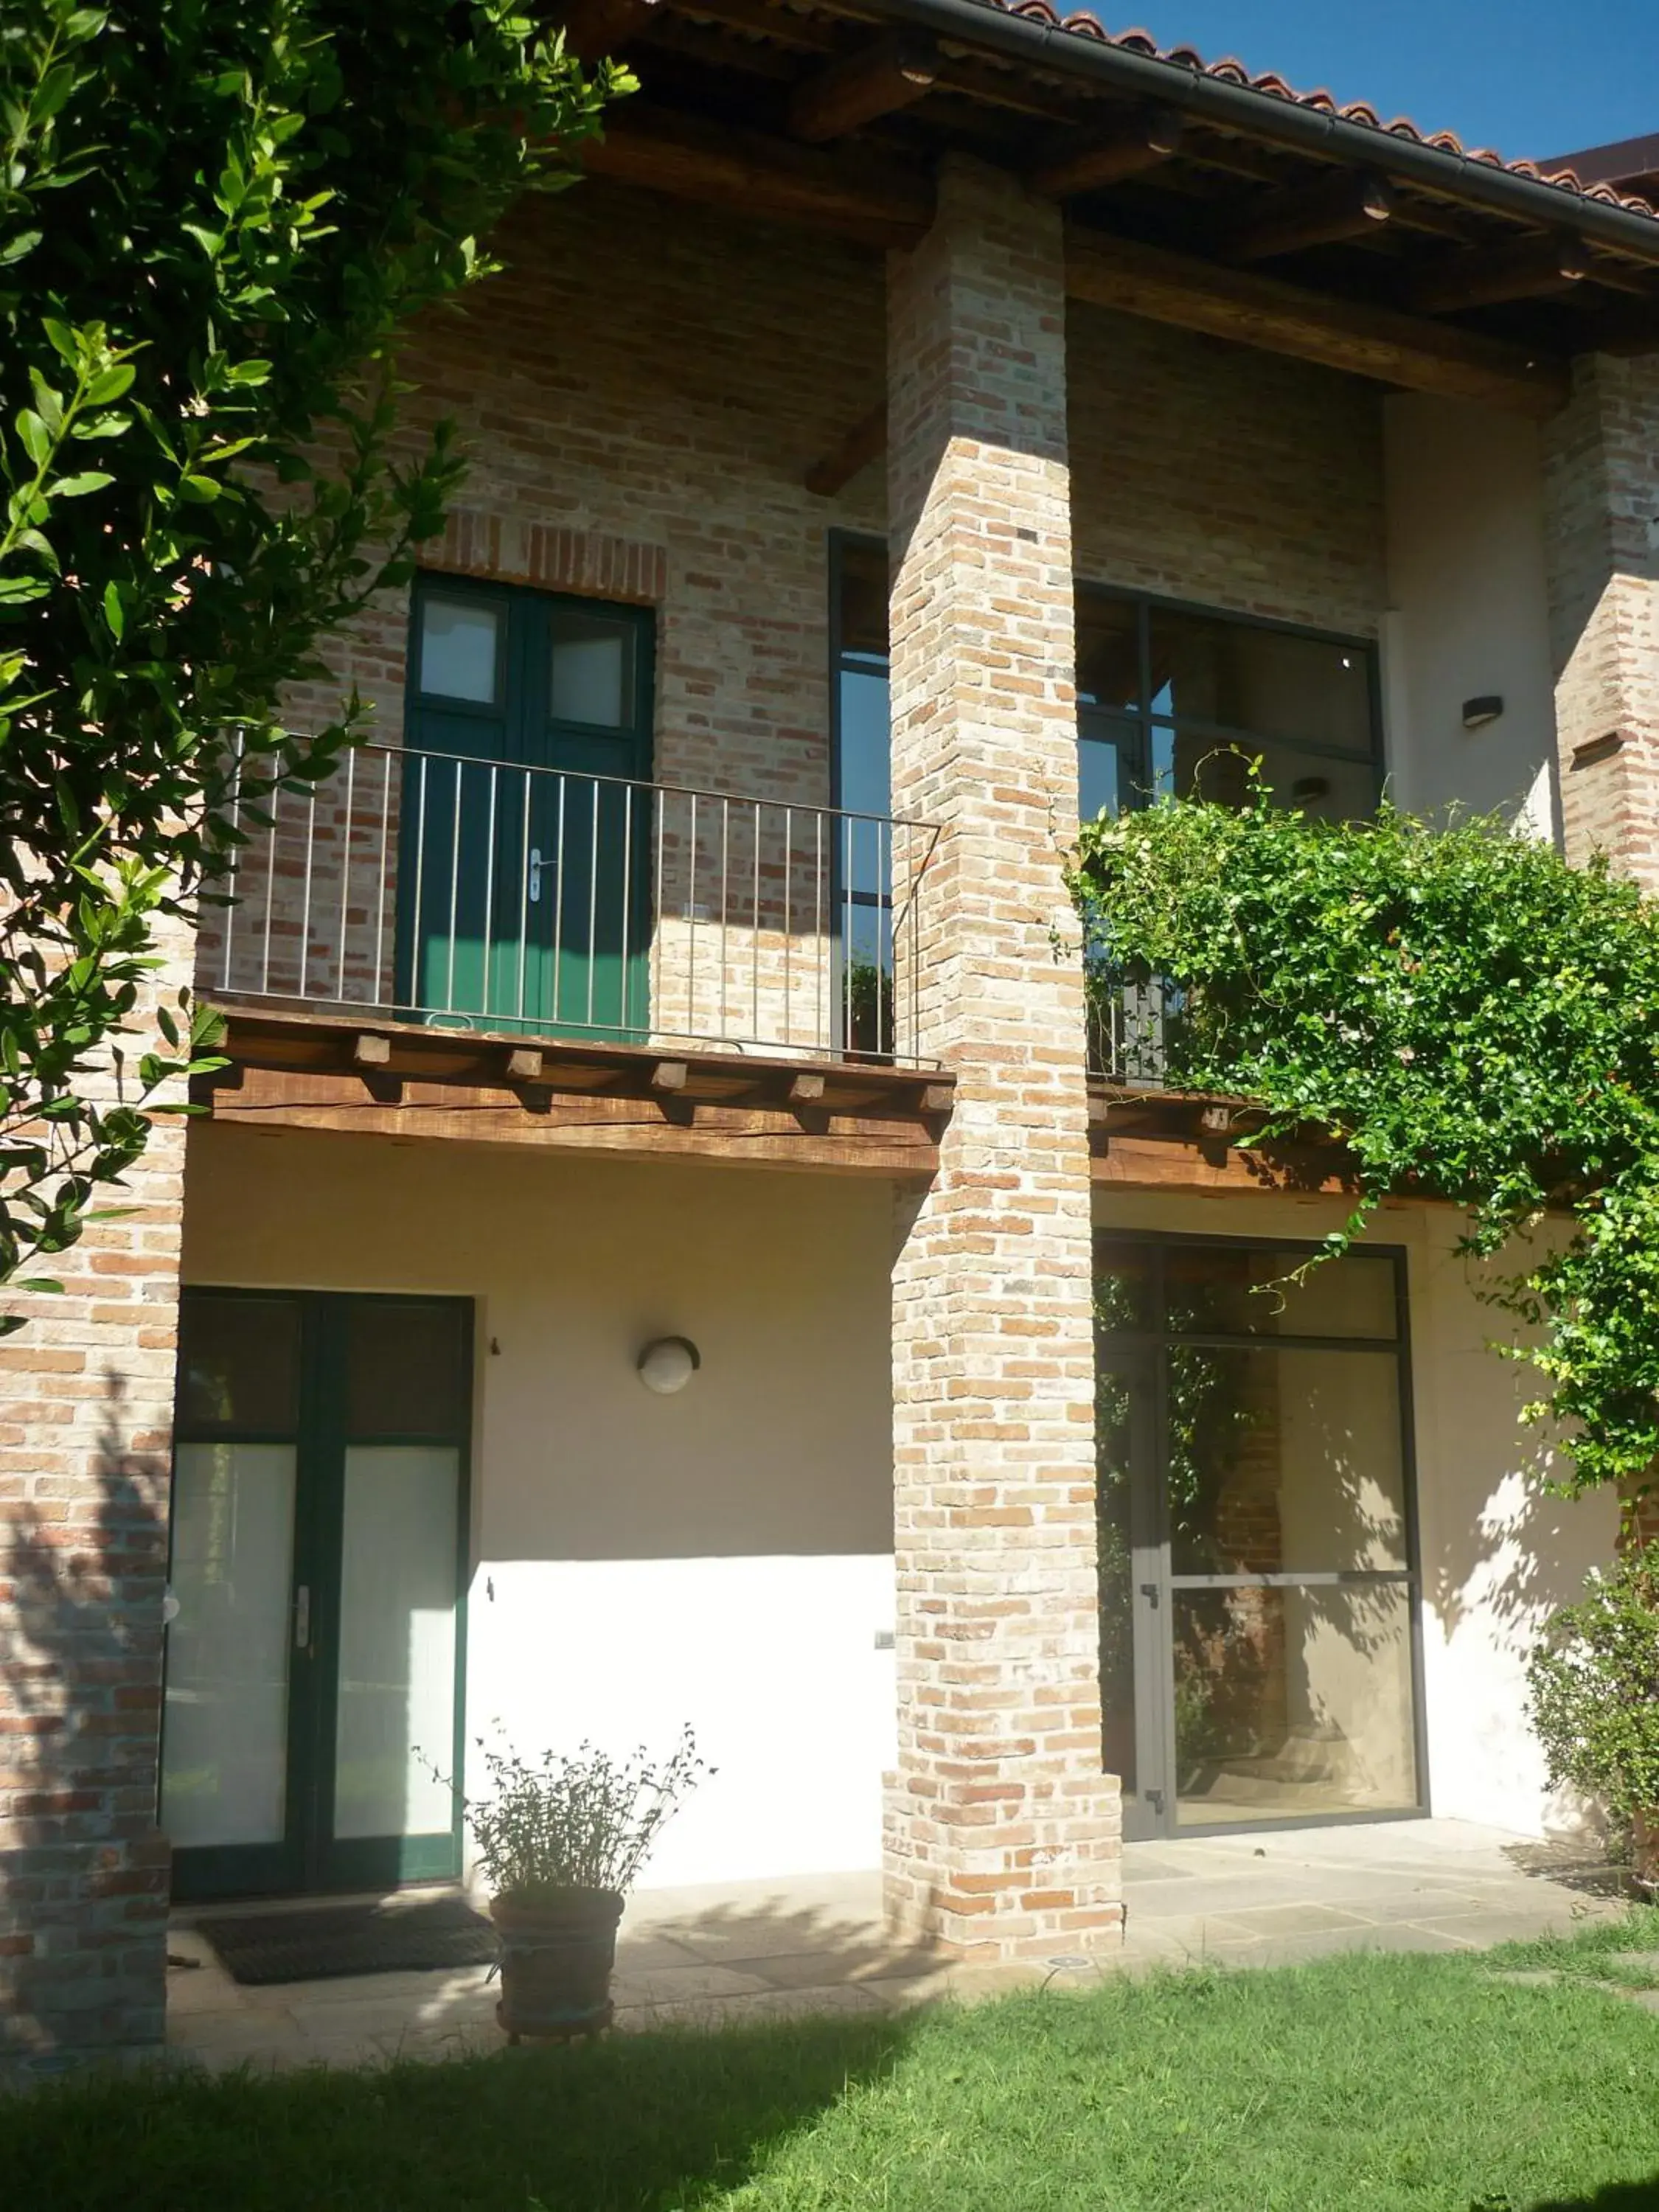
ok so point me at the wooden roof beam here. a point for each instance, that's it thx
(1349, 335)
(1084, 163)
(889, 74)
(1526, 271)
(1349, 204)
(594, 29)
(857, 195)
(866, 440)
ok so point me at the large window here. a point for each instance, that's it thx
(1170, 699)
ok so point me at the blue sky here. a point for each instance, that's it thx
(1531, 77)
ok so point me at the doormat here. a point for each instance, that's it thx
(262, 1947)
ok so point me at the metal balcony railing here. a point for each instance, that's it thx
(474, 894)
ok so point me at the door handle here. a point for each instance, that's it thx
(302, 1617)
(1151, 1593)
(536, 865)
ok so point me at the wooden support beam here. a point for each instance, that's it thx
(889, 74)
(938, 1098)
(1082, 164)
(524, 1066)
(594, 29)
(371, 1051)
(855, 194)
(669, 1075)
(1526, 271)
(1349, 204)
(1350, 335)
(806, 1091)
(866, 440)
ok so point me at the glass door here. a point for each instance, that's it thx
(314, 1665)
(1273, 1585)
(526, 828)
(1132, 1596)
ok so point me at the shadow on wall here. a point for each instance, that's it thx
(85, 1895)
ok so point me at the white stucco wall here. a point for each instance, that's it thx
(1498, 1555)
(1468, 611)
(723, 1556)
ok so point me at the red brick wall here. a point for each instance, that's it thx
(84, 1441)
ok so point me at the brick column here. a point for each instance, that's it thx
(1002, 1832)
(85, 1433)
(1601, 482)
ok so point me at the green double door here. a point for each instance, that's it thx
(314, 1657)
(526, 819)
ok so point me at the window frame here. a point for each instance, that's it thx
(1140, 720)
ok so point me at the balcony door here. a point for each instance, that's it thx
(525, 831)
(314, 1661)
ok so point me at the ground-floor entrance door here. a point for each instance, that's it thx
(314, 1657)
(1257, 1544)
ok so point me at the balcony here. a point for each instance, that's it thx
(447, 892)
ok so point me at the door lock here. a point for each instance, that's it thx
(302, 1617)
(535, 866)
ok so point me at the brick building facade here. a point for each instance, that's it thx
(644, 394)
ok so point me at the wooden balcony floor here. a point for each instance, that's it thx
(295, 1068)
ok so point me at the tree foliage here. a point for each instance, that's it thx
(1472, 1018)
(1592, 1684)
(217, 219)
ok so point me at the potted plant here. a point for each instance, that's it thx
(559, 1843)
(1593, 1682)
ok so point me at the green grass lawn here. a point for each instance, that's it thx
(1362, 2083)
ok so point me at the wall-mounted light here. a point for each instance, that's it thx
(1478, 712)
(667, 1365)
(1307, 787)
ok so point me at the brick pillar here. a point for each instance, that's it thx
(1002, 1832)
(1602, 485)
(85, 1432)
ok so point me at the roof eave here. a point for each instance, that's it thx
(1275, 120)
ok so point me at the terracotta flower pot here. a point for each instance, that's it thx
(558, 1954)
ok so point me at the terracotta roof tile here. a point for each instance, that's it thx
(1229, 70)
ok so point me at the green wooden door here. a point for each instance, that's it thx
(524, 868)
(315, 1658)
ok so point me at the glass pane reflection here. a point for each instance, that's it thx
(1292, 1703)
(1284, 1462)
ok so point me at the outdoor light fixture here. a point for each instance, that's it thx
(1478, 713)
(1308, 788)
(667, 1365)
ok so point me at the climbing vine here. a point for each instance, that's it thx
(1474, 1020)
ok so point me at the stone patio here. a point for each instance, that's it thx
(816, 1944)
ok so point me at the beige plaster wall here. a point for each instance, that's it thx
(723, 1556)
(1468, 611)
(1498, 1554)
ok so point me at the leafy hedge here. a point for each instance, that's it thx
(1475, 1019)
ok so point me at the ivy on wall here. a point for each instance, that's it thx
(1472, 1018)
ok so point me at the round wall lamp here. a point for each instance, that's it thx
(667, 1365)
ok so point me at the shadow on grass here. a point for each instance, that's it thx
(654, 2122)
(1618, 2196)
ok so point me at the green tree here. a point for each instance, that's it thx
(217, 218)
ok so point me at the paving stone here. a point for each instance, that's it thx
(671, 1985)
(795, 1970)
(1640, 1962)
(1298, 1920)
